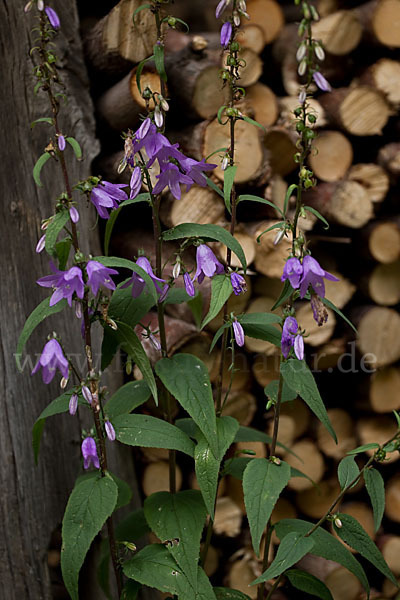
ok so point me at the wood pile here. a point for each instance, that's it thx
(357, 163)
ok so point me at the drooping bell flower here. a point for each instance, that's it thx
(65, 284)
(73, 404)
(207, 263)
(226, 33)
(138, 283)
(238, 332)
(189, 287)
(221, 7)
(291, 338)
(51, 359)
(238, 283)
(99, 276)
(292, 271)
(89, 453)
(107, 195)
(313, 275)
(53, 17)
(171, 177)
(321, 82)
(136, 182)
(110, 431)
(195, 169)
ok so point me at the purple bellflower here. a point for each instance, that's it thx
(291, 338)
(226, 33)
(189, 287)
(194, 169)
(238, 332)
(221, 7)
(238, 283)
(99, 276)
(53, 17)
(136, 182)
(138, 284)
(149, 138)
(207, 263)
(52, 358)
(110, 431)
(313, 275)
(87, 394)
(73, 404)
(61, 142)
(89, 452)
(321, 82)
(107, 195)
(65, 284)
(293, 271)
(171, 177)
(74, 214)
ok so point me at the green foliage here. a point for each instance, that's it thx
(229, 176)
(37, 169)
(187, 379)
(291, 549)
(251, 198)
(318, 215)
(75, 147)
(91, 502)
(285, 294)
(221, 290)
(53, 230)
(261, 327)
(150, 432)
(123, 307)
(376, 490)
(158, 50)
(263, 482)
(228, 594)
(330, 305)
(306, 582)
(347, 471)
(127, 398)
(271, 391)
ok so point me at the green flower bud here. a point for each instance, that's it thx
(171, 21)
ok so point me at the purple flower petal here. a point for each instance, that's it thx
(110, 431)
(226, 34)
(321, 82)
(53, 17)
(238, 332)
(189, 287)
(89, 452)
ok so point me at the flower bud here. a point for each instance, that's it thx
(87, 394)
(275, 460)
(73, 404)
(74, 214)
(110, 431)
(78, 310)
(319, 52)
(40, 4)
(236, 19)
(128, 367)
(158, 117)
(225, 163)
(279, 236)
(61, 142)
(63, 383)
(301, 52)
(302, 96)
(154, 341)
(338, 523)
(171, 21)
(302, 67)
(28, 6)
(176, 270)
(41, 244)
(164, 104)
(241, 5)
(112, 324)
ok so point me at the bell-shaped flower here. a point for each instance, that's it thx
(238, 283)
(65, 284)
(149, 138)
(321, 82)
(89, 453)
(238, 332)
(99, 276)
(189, 287)
(53, 17)
(171, 177)
(207, 263)
(291, 338)
(107, 195)
(195, 169)
(51, 359)
(313, 275)
(136, 182)
(292, 271)
(138, 283)
(226, 33)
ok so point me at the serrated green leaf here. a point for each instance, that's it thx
(127, 398)
(221, 290)
(261, 327)
(91, 503)
(56, 225)
(376, 490)
(75, 147)
(150, 432)
(357, 538)
(291, 549)
(228, 594)
(158, 50)
(229, 177)
(285, 294)
(39, 314)
(271, 391)
(123, 307)
(41, 161)
(251, 198)
(154, 567)
(299, 377)
(289, 192)
(347, 471)
(325, 545)
(263, 482)
(186, 377)
(115, 261)
(214, 186)
(363, 448)
(308, 583)
(253, 122)
(207, 232)
(318, 215)
(145, 197)
(330, 305)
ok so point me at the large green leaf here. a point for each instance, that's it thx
(299, 377)
(178, 519)
(376, 490)
(221, 290)
(91, 502)
(325, 545)
(130, 343)
(228, 594)
(124, 263)
(186, 377)
(263, 482)
(308, 583)
(56, 225)
(207, 466)
(291, 549)
(150, 432)
(155, 567)
(39, 314)
(127, 398)
(260, 326)
(355, 536)
(330, 305)
(207, 233)
(56, 407)
(347, 471)
(123, 307)
(271, 390)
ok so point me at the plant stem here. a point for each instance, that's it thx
(271, 591)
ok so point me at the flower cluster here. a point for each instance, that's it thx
(292, 338)
(107, 195)
(307, 274)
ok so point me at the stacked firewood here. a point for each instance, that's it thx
(357, 163)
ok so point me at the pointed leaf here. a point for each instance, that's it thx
(150, 432)
(325, 545)
(251, 198)
(179, 519)
(248, 434)
(330, 305)
(263, 481)
(229, 176)
(364, 448)
(261, 327)
(133, 527)
(289, 192)
(218, 335)
(91, 503)
(228, 594)
(139, 71)
(355, 536)
(154, 567)
(207, 233)
(39, 314)
(62, 249)
(186, 378)
(131, 590)
(56, 225)
(158, 50)
(253, 122)
(41, 161)
(291, 549)
(75, 147)
(376, 490)
(285, 294)
(347, 471)
(47, 120)
(127, 398)
(115, 261)
(221, 290)
(123, 307)
(299, 377)
(308, 583)
(318, 215)
(271, 391)
(213, 185)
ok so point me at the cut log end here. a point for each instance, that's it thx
(332, 156)
(386, 23)
(339, 32)
(268, 15)
(379, 336)
(364, 111)
(373, 178)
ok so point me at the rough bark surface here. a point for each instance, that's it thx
(33, 497)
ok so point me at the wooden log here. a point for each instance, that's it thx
(373, 178)
(283, 510)
(343, 585)
(332, 155)
(378, 335)
(212, 560)
(263, 102)
(315, 501)
(377, 429)
(381, 240)
(280, 143)
(299, 412)
(156, 478)
(389, 158)
(265, 368)
(343, 202)
(241, 575)
(242, 378)
(359, 110)
(327, 357)
(288, 104)
(121, 105)
(389, 545)
(248, 244)
(241, 405)
(339, 32)
(116, 43)
(310, 462)
(262, 304)
(392, 505)
(384, 75)
(251, 69)
(383, 284)
(251, 36)
(381, 18)
(268, 15)
(389, 590)
(315, 335)
(384, 391)
(270, 259)
(177, 334)
(228, 517)
(198, 205)
(339, 292)
(343, 426)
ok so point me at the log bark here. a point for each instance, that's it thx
(384, 390)
(343, 426)
(268, 15)
(389, 158)
(310, 461)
